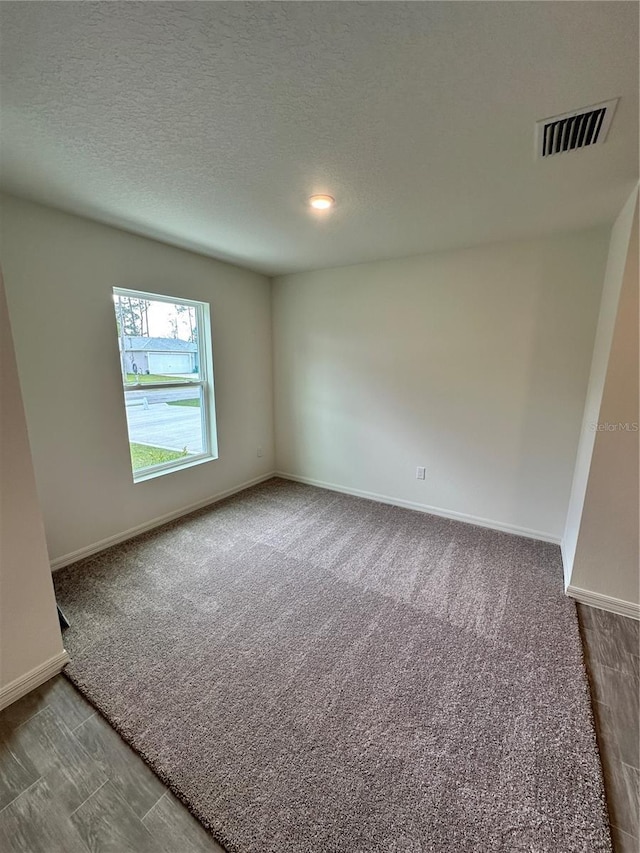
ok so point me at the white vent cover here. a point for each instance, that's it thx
(578, 129)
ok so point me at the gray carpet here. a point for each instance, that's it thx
(316, 673)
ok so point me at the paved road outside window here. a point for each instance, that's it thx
(162, 425)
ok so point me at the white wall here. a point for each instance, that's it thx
(59, 271)
(29, 632)
(606, 549)
(472, 363)
(616, 262)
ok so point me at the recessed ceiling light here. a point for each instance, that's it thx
(321, 202)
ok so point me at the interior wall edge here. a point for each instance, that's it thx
(271, 283)
(619, 240)
(29, 626)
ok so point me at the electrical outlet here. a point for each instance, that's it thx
(259, 451)
(420, 473)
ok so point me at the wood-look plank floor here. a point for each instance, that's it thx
(612, 654)
(70, 784)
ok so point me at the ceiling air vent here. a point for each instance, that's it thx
(577, 129)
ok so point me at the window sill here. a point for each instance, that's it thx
(152, 473)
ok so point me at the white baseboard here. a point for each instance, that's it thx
(19, 687)
(94, 548)
(431, 510)
(604, 602)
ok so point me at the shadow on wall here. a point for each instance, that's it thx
(556, 382)
(473, 364)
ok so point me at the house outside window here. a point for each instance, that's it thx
(166, 363)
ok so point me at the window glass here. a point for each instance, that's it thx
(167, 374)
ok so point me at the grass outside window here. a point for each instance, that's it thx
(156, 378)
(144, 455)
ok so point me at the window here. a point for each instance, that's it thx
(167, 375)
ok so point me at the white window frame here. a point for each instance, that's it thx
(204, 383)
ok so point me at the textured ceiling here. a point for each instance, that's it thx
(208, 124)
